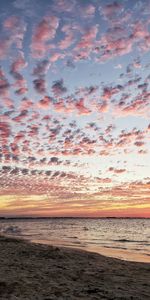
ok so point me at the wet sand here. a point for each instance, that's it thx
(107, 251)
(31, 271)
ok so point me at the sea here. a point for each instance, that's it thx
(122, 238)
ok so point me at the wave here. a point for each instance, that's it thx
(115, 247)
(12, 230)
(129, 241)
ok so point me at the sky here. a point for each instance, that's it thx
(75, 108)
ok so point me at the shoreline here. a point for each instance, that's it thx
(121, 254)
(37, 271)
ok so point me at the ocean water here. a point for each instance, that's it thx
(128, 239)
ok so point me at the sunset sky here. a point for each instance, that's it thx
(74, 108)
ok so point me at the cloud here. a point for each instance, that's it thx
(141, 151)
(58, 88)
(136, 107)
(5, 45)
(18, 64)
(15, 29)
(56, 56)
(87, 39)
(44, 32)
(6, 169)
(7, 102)
(54, 159)
(21, 116)
(45, 102)
(110, 10)
(4, 87)
(15, 171)
(81, 108)
(108, 92)
(139, 31)
(15, 69)
(139, 143)
(89, 10)
(4, 84)
(116, 171)
(33, 130)
(19, 136)
(102, 107)
(104, 180)
(69, 39)
(21, 91)
(26, 104)
(41, 68)
(40, 85)
(5, 130)
(46, 29)
(59, 106)
(64, 6)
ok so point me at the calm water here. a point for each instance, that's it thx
(122, 238)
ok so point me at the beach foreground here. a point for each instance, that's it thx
(41, 272)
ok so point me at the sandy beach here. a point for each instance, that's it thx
(42, 272)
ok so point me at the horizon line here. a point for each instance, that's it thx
(68, 217)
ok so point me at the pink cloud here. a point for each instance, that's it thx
(64, 6)
(67, 41)
(23, 114)
(44, 103)
(20, 81)
(46, 118)
(145, 45)
(139, 143)
(21, 91)
(87, 38)
(11, 22)
(116, 47)
(5, 132)
(44, 31)
(4, 87)
(108, 92)
(102, 107)
(81, 108)
(26, 103)
(138, 106)
(139, 31)
(34, 130)
(120, 41)
(5, 45)
(8, 103)
(104, 180)
(60, 106)
(55, 56)
(116, 171)
(15, 28)
(70, 105)
(19, 136)
(18, 64)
